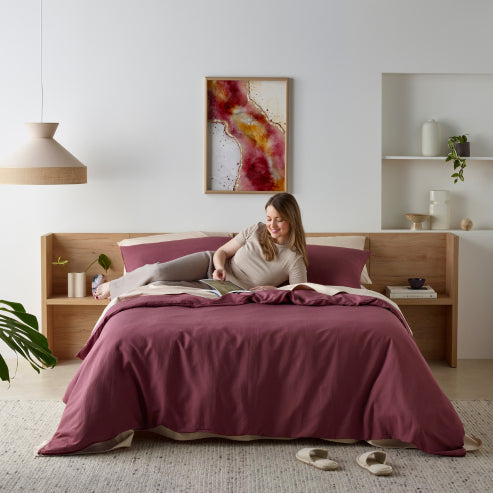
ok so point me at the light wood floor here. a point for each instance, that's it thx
(471, 380)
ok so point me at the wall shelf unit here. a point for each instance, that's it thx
(408, 100)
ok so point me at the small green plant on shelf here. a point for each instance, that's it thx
(19, 331)
(102, 260)
(453, 155)
(61, 262)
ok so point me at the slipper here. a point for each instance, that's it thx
(390, 443)
(472, 443)
(317, 457)
(375, 463)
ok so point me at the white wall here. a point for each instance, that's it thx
(125, 79)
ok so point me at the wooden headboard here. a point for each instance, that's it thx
(394, 258)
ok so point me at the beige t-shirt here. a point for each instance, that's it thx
(248, 267)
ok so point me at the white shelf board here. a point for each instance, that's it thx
(437, 158)
(455, 231)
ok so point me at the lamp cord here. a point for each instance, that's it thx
(41, 55)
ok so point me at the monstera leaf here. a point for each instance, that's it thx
(19, 330)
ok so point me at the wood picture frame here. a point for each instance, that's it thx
(246, 134)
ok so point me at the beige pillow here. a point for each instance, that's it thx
(357, 242)
(169, 237)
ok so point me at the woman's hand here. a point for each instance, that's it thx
(221, 255)
(219, 274)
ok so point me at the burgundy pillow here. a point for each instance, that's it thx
(336, 266)
(135, 256)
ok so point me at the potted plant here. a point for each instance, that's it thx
(459, 149)
(77, 280)
(19, 331)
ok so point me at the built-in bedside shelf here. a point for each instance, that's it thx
(64, 300)
(68, 322)
(442, 299)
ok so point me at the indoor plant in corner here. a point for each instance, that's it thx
(77, 280)
(459, 149)
(19, 331)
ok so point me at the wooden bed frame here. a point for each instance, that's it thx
(67, 322)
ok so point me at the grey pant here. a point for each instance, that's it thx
(191, 267)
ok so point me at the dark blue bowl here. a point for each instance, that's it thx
(416, 282)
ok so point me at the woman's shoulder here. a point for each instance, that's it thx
(250, 232)
(253, 229)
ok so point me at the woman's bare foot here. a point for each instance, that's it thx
(102, 291)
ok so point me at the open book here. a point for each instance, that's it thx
(223, 287)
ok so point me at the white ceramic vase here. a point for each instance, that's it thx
(439, 209)
(430, 138)
(76, 284)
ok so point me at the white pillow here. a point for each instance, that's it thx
(357, 242)
(169, 237)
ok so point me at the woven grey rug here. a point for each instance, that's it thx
(155, 464)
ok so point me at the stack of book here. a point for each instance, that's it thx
(408, 292)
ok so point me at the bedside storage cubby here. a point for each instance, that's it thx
(68, 322)
(395, 257)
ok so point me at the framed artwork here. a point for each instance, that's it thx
(246, 139)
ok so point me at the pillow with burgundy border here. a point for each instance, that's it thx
(135, 256)
(335, 266)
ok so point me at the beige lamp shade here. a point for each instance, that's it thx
(42, 161)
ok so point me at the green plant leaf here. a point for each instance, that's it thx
(15, 306)
(61, 262)
(19, 311)
(104, 262)
(459, 163)
(27, 318)
(15, 347)
(23, 331)
(19, 331)
(4, 370)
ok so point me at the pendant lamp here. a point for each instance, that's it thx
(42, 160)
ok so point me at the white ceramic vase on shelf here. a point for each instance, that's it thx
(439, 209)
(430, 138)
(76, 284)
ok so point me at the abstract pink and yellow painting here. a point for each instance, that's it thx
(246, 135)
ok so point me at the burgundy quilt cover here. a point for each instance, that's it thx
(271, 363)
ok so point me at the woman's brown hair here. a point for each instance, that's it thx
(288, 208)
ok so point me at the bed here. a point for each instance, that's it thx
(329, 359)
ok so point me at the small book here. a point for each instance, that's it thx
(223, 287)
(408, 292)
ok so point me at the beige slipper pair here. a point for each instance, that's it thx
(374, 461)
(471, 443)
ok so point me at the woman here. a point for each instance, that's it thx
(261, 256)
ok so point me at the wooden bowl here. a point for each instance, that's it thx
(417, 220)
